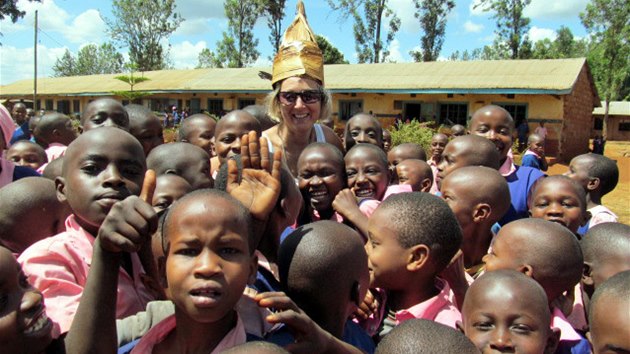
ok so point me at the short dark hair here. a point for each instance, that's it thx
(601, 238)
(422, 218)
(605, 169)
(577, 188)
(617, 286)
(184, 129)
(379, 151)
(415, 151)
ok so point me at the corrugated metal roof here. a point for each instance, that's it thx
(616, 108)
(499, 76)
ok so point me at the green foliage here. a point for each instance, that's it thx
(237, 49)
(414, 132)
(9, 8)
(131, 80)
(65, 66)
(206, 59)
(331, 54)
(274, 10)
(368, 18)
(90, 60)
(432, 15)
(141, 25)
(512, 25)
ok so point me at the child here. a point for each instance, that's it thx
(52, 170)
(405, 151)
(412, 238)
(458, 130)
(438, 143)
(505, 311)
(478, 196)
(496, 124)
(551, 255)
(55, 130)
(9, 172)
(598, 175)
(145, 126)
(362, 128)
(29, 212)
(535, 155)
(104, 112)
(198, 129)
(609, 316)
(387, 140)
(209, 261)
(101, 167)
(260, 112)
(467, 150)
(416, 173)
(321, 176)
(426, 336)
(559, 199)
(182, 159)
(227, 136)
(541, 131)
(27, 153)
(323, 269)
(168, 189)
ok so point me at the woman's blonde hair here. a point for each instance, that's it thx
(274, 106)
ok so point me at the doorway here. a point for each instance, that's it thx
(412, 111)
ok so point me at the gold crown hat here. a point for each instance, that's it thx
(299, 54)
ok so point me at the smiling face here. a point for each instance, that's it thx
(363, 128)
(105, 112)
(27, 154)
(300, 116)
(507, 317)
(495, 124)
(24, 326)
(558, 201)
(99, 170)
(367, 173)
(209, 260)
(228, 133)
(387, 258)
(320, 177)
(438, 143)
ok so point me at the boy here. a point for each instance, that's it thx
(416, 173)
(551, 255)
(559, 199)
(506, 311)
(412, 238)
(609, 317)
(438, 144)
(418, 335)
(387, 140)
(227, 135)
(198, 129)
(598, 175)
(467, 150)
(458, 130)
(56, 132)
(145, 126)
(101, 168)
(168, 189)
(535, 155)
(104, 112)
(323, 269)
(182, 159)
(363, 128)
(478, 196)
(405, 151)
(27, 153)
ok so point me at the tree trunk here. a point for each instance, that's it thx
(605, 122)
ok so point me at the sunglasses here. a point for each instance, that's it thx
(288, 98)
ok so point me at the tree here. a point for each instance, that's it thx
(432, 16)
(608, 23)
(90, 60)
(274, 10)
(237, 49)
(332, 55)
(9, 8)
(131, 80)
(512, 25)
(368, 27)
(141, 25)
(206, 59)
(65, 66)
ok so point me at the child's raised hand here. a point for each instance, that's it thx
(131, 222)
(259, 186)
(345, 202)
(368, 307)
(455, 275)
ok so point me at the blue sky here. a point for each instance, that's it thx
(72, 24)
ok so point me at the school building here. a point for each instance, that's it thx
(560, 92)
(618, 120)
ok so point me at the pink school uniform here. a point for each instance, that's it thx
(438, 308)
(600, 214)
(55, 151)
(433, 164)
(58, 266)
(158, 333)
(368, 206)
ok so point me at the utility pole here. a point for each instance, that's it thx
(35, 67)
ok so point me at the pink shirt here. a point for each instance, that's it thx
(600, 214)
(577, 318)
(58, 266)
(158, 333)
(438, 308)
(55, 150)
(434, 187)
(368, 206)
(567, 333)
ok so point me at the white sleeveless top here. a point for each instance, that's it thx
(319, 137)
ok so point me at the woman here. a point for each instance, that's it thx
(298, 99)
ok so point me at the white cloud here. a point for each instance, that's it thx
(536, 33)
(88, 26)
(471, 27)
(555, 9)
(395, 56)
(193, 27)
(13, 70)
(405, 10)
(185, 54)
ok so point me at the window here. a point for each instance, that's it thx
(215, 106)
(63, 106)
(244, 102)
(624, 126)
(456, 113)
(598, 124)
(518, 111)
(49, 105)
(76, 106)
(349, 108)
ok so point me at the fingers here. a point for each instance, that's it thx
(277, 165)
(148, 186)
(265, 162)
(254, 150)
(245, 160)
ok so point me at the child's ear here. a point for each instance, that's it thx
(60, 186)
(593, 184)
(426, 184)
(253, 269)
(418, 257)
(587, 274)
(481, 212)
(526, 269)
(552, 341)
